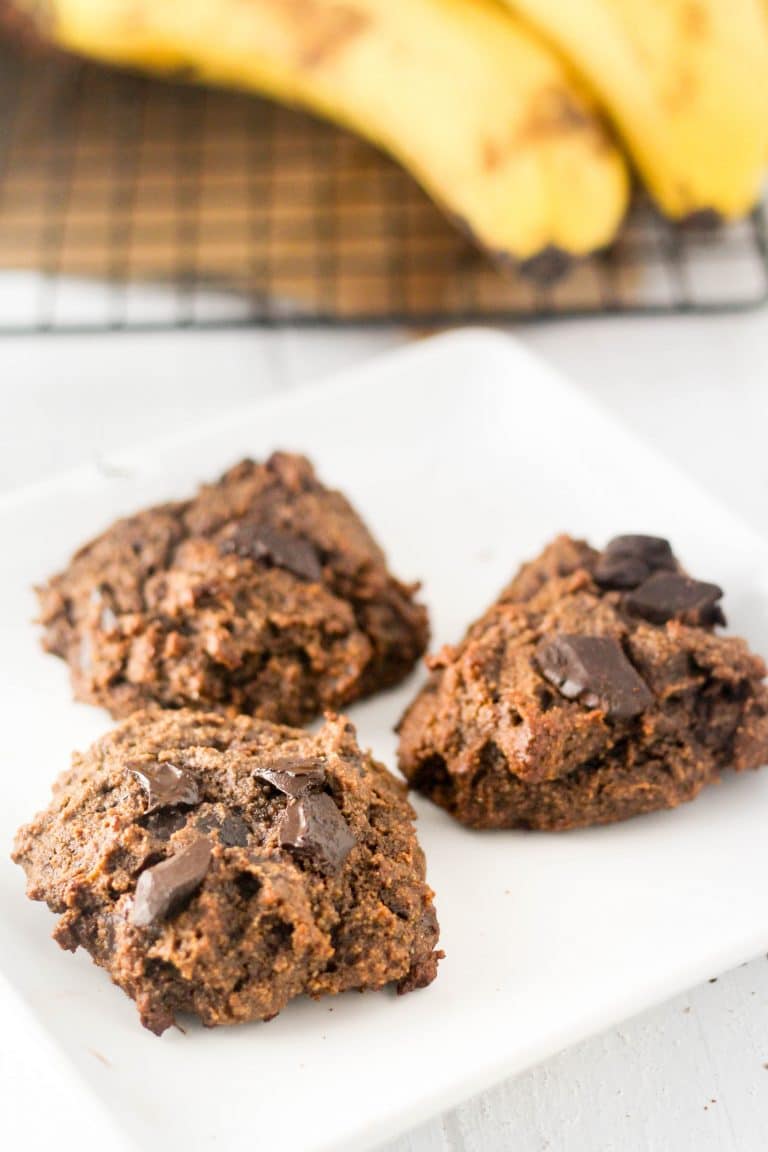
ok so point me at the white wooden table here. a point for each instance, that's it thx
(690, 1074)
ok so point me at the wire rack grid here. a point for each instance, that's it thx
(128, 202)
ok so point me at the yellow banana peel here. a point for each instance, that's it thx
(685, 83)
(484, 115)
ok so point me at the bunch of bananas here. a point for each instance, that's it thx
(519, 117)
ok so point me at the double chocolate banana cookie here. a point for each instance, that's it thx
(223, 866)
(264, 594)
(595, 688)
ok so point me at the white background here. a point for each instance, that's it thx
(691, 1074)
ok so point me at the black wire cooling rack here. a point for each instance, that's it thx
(131, 203)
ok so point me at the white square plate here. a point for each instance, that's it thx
(465, 455)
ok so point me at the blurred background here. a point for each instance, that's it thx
(535, 183)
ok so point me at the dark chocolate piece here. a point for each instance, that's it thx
(164, 822)
(654, 549)
(161, 889)
(292, 775)
(668, 596)
(594, 671)
(315, 830)
(166, 785)
(232, 830)
(281, 549)
(627, 561)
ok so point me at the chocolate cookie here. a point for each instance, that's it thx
(265, 594)
(223, 866)
(595, 688)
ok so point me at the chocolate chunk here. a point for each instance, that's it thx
(164, 822)
(594, 671)
(166, 785)
(314, 829)
(292, 775)
(620, 572)
(655, 549)
(281, 549)
(668, 596)
(232, 830)
(160, 890)
(627, 561)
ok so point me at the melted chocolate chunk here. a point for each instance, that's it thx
(627, 561)
(315, 830)
(161, 890)
(292, 775)
(668, 596)
(166, 785)
(164, 822)
(232, 830)
(273, 546)
(594, 671)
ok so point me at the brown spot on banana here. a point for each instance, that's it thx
(694, 20)
(554, 113)
(492, 155)
(321, 30)
(680, 92)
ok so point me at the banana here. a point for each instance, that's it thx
(477, 108)
(686, 85)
